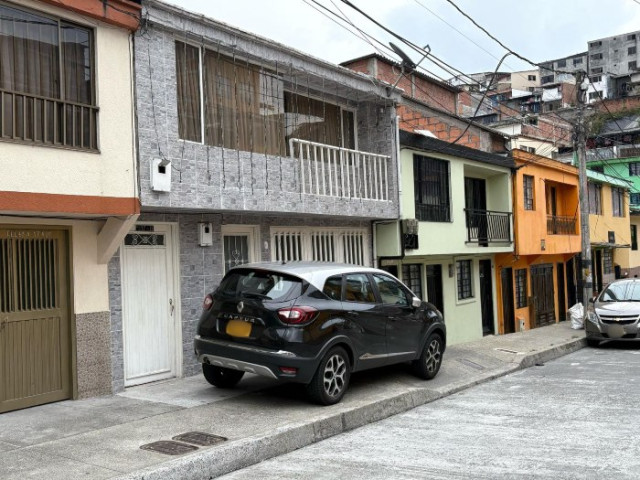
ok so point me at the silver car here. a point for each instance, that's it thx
(614, 314)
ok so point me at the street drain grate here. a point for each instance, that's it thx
(200, 438)
(169, 448)
(471, 364)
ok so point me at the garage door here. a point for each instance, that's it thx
(35, 346)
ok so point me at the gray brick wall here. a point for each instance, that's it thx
(213, 178)
(201, 270)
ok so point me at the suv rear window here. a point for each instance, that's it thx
(263, 284)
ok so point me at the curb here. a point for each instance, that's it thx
(243, 453)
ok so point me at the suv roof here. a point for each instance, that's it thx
(313, 272)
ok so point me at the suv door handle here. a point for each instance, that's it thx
(353, 313)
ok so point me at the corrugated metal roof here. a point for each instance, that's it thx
(604, 178)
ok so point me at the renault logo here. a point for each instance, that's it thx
(240, 307)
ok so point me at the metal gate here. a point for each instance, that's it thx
(35, 345)
(543, 304)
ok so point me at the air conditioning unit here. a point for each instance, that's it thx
(410, 226)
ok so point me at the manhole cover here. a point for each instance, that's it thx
(169, 448)
(200, 438)
(471, 364)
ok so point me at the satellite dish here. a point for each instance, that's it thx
(407, 63)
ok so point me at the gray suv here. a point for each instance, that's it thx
(614, 314)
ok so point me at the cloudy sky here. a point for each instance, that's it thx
(537, 29)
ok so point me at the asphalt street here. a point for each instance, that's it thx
(575, 417)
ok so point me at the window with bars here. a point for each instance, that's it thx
(463, 274)
(528, 192)
(617, 199)
(412, 277)
(247, 108)
(634, 169)
(321, 245)
(521, 288)
(595, 198)
(634, 198)
(607, 261)
(46, 80)
(431, 189)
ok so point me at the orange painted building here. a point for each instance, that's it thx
(535, 284)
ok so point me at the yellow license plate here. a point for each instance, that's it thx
(238, 328)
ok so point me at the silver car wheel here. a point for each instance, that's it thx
(433, 355)
(334, 375)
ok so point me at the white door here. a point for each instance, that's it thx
(148, 306)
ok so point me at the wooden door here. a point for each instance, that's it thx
(486, 297)
(508, 307)
(148, 306)
(35, 320)
(543, 296)
(434, 286)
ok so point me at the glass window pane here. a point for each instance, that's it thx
(358, 289)
(236, 251)
(188, 83)
(391, 292)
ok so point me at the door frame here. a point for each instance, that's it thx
(175, 281)
(253, 231)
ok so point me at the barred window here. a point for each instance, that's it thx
(634, 198)
(634, 169)
(528, 192)
(412, 277)
(431, 189)
(521, 288)
(595, 198)
(463, 272)
(617, 197)
(607, 261)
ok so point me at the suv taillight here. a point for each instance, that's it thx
(296, 315)
(208, 301)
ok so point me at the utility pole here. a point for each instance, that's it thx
(580, 140)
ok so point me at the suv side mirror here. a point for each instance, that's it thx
(416, 302)
(592, 300)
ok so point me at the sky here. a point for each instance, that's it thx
(536, 29)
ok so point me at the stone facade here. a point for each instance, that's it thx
(93, 355)
(227, 187)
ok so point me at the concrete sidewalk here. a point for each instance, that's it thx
(100, 438)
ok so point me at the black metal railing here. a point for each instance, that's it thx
(560, 225)
(485, 226)
(47, 121)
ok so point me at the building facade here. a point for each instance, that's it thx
(68, 192)
(536, 283)
(455, 218)
(248, 151)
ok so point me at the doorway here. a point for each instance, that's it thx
(542, 292)
(434, 286)
(35, 317)
(150, 317)
(562, 305)
(508, 307)
(486, 297)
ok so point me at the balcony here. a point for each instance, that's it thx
(47, 121)
(561, 225)
(485, 226)
(331, 171)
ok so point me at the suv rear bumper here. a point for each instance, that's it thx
(256, 360)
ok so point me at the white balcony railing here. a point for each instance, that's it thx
(339, 172)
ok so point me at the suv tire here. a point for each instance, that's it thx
(428, 365)
(331, 380)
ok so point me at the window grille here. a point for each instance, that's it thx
(528, 192)
(463, 273)
(431, 189)
(326, 245)
(412, 277)
(521, 288)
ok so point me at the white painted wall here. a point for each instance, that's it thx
(109, 173)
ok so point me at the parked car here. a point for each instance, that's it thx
(614, 313)
(315, 323)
